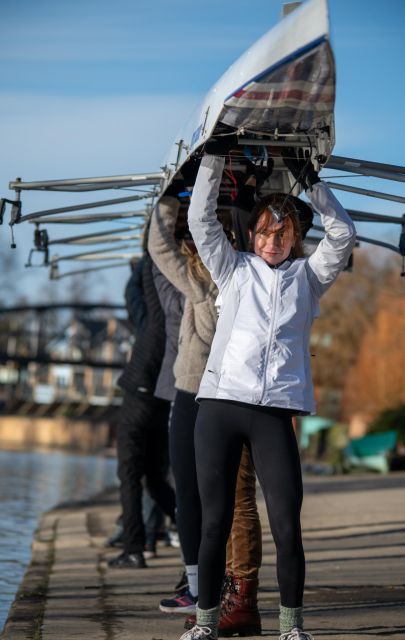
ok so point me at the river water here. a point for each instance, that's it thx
(30, 483)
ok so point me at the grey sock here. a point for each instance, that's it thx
(209, 618)
(290, 618)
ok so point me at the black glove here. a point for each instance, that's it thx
(221, 145)
(301, 167)
(247, 193)
(260, 171)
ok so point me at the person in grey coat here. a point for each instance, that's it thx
(177, 259)
(172, 303)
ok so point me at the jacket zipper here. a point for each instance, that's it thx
(271, 332)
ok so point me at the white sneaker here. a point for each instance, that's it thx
(296, 634)
(174, 539)
(199, 633)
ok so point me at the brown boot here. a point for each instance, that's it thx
(239, 612)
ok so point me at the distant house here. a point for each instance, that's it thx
(78, 352)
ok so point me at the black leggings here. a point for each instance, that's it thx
(182, 460)
(222, 428)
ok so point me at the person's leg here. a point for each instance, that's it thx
(182, 458)
(131, 448)
(188, 507)
(218, 451)
(229, 554)
(182, 461)
(246, 532)
(239, 611)
(153, 521)
(156, 459)
(277, 463)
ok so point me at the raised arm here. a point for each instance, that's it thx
(333, 252)
(165, 251)
(214, 248)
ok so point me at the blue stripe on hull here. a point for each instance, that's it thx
(291, 57)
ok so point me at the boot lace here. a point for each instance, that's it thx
(296, 634)
(229, 589)
(227, 585)
(196, 633)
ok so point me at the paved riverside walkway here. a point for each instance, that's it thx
(354, 539)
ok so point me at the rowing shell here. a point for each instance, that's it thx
(280, 92)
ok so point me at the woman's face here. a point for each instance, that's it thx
(273, 241)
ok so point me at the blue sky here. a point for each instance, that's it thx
(98, 88)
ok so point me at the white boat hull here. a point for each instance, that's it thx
(280, 92)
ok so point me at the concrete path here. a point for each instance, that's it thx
(355, 590)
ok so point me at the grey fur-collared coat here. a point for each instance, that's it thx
(199, 318)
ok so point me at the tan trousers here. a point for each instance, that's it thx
(244, 547)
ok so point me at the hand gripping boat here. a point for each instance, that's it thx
(280, 92)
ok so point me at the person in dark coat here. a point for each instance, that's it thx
(142, 438)
(172, 303)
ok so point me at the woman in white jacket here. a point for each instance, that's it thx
(258, 374)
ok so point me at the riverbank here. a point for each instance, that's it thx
(32, 482)
(353, 535)
(32, 431)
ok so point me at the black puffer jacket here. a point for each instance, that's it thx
(141, 372)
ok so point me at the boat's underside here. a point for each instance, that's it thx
(297, 95)
(289, 104)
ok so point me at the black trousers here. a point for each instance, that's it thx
(142, 448)
(182, 460)
(222, 428)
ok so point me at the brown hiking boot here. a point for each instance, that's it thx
(239, 613)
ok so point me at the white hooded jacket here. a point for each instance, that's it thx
(260, 352)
